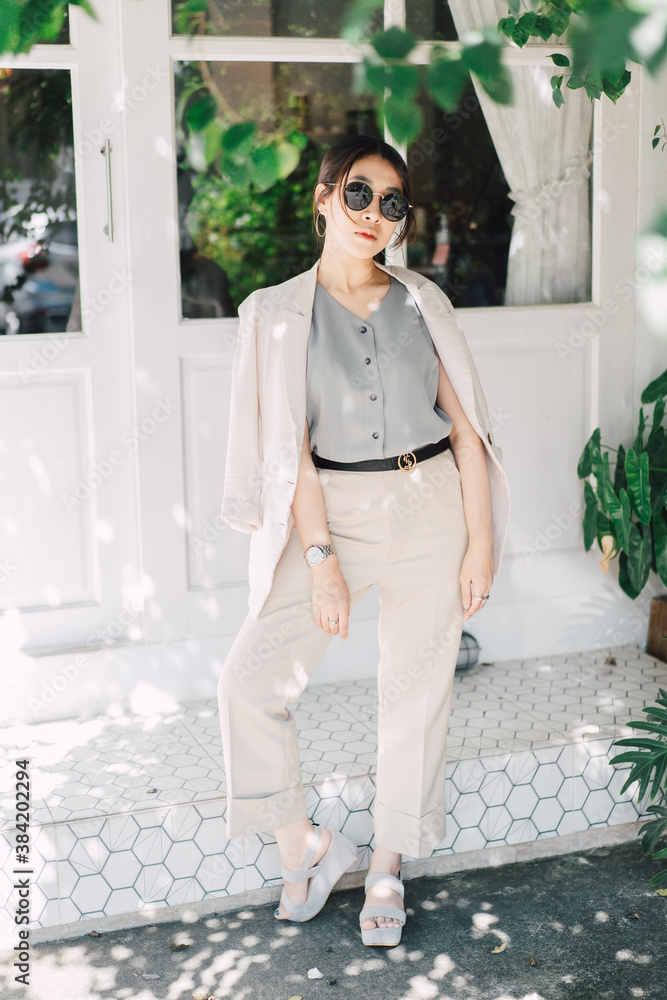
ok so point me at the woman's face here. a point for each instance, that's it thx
(364, 233)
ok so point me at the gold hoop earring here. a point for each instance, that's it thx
(317, 230)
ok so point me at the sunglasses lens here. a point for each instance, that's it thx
(394, 207)
(358, 196)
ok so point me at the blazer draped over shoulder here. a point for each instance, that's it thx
(268, 414)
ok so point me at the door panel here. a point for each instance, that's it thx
(68, 530)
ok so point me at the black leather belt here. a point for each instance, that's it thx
(407, 460)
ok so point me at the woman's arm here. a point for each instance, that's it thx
(468, 451)
(331, 597)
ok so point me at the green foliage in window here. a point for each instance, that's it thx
(258, 238)
(24, 23)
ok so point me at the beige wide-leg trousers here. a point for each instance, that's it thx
(404, 531)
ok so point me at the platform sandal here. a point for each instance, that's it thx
(383, 935)
(340, 855)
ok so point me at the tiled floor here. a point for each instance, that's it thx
(128, 813)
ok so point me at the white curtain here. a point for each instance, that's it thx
(545, 154)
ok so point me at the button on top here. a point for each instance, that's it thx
(367, 361)
(362, 329)
(375, 434)
(373, 396)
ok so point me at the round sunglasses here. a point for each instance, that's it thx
(358, 196)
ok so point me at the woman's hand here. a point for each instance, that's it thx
(331, 598)
(476, 573)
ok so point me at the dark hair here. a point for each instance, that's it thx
(341, 157)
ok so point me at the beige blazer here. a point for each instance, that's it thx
(268, 414)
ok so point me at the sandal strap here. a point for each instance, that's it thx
(306, 872)
(383, 911)
(386, 881)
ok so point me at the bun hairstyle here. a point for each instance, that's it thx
(341, 157)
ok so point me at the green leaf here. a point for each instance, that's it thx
(10, 17)
(560, 18)
(639, 440)
(201, 112)
(238, 174)
(591, 450)
(590, 515)
(605, 527)
(636, 469)
(544, 28)
(556, 81)
(395, 43)
(559, 59)
(212, 141)
(602, 474)
(529, 21)
(660, 546)
(557, 96)
(619, 513)
(620, 478)
(520, 34)
(358, 21)
(574, 82)
(593, 87)
(481, 54)
(288, 157)
(615, 88)
(52, 27)
(655, 143)
(265, 167)
(514, 7)
(402, 81)
(658, 387)
(239, 138)
(657, 432)
(506, 25)
(446, 78)
(298, 139)
(404, 121)
(600, 40)
(624, 580)
(640, 552)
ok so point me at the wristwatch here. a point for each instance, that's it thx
(315, 554)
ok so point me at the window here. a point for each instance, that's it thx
(502, 195)
(39, 258)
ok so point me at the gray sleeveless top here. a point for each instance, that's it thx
(371, 385)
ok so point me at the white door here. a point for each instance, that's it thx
(68, 449)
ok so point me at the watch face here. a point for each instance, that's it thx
(314, 555)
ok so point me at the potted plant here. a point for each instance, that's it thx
(625, 510)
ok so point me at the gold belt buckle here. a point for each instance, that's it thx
(410, 459)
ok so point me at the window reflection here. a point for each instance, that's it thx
(266, 18)
(462, 208)
(39, 260)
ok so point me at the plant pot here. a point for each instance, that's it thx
(657, 628)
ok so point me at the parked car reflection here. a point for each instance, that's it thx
(39, 275)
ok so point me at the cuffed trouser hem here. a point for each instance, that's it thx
(262, 815)
(396, 831)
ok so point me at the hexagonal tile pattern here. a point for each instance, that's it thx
(130, 812)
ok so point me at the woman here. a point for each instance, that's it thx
(397, 483)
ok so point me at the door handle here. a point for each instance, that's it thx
(106, 152)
